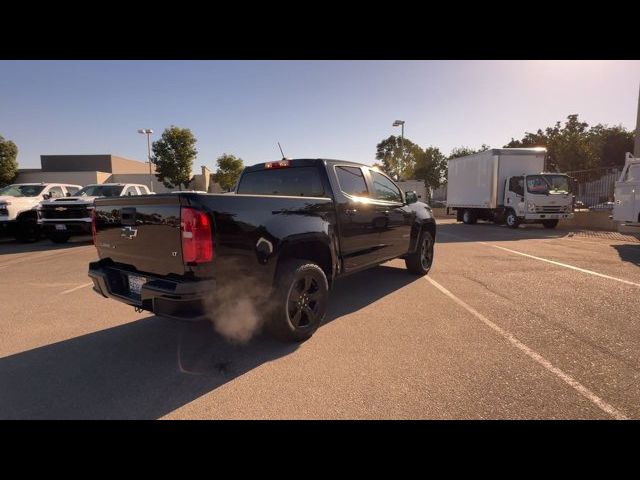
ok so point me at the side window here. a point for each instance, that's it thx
(385, 188)
(130, 191)
(56, 192)
(71, 190)
(516, 185)
(352, 181)
(143, 190)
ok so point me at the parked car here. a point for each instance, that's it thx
(18, 207)
(61, 218)
(290, 230)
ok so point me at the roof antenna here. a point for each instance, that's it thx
(283, 157)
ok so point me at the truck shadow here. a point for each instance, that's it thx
(147, 368)
(9, 246)
(483, 232)
(629, 253)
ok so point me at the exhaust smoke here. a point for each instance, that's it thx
(238, 309)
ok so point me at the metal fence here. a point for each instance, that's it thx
(594, 188)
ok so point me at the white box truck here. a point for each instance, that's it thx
(508, 185)
(627, 194)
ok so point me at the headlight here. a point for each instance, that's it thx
(531, 207)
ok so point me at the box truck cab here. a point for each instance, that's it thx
(627, 193)
(508, 185)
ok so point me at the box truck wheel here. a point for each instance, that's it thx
(512, 219)
(550, 223)
(469, 217)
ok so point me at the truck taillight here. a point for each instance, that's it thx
(93, 225)
(197, 240)
(280, 164)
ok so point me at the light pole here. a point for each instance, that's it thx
(148, 132)
(636, 147)
(399, 123)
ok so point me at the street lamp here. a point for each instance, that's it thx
(399, 123)
(148, 132)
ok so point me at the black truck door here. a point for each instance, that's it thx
(359, 220)
(395, 236)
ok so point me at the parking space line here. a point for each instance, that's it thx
(560, 264)
(581, 389)
(565, 265)
(76, 288)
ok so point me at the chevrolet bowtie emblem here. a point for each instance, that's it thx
(129, 232)
(60, 209)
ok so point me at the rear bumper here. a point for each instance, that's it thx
(177, 299)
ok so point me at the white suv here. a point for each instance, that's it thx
(61, 218)
(18, 203)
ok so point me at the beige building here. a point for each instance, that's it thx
(88, 169)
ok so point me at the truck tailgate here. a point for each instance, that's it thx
(141, 232)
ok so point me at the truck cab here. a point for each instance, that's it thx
(19, 203)
(61, 218)
(627, 193)
(540, 198)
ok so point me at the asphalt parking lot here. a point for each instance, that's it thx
(526, 323)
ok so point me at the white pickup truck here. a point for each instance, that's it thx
(62, 218)
(18, 207)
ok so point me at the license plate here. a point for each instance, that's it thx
(135, 283)
(60, 226)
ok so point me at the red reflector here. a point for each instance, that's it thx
(280, 164)
(197, 241)
(93, 225)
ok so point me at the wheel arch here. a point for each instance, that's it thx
(314, 248)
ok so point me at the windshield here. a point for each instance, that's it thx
(544, 184)
(100, 191)
(22, 190)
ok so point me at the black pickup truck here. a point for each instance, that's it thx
(290, 229)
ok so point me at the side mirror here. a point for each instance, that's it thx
(68, 194)
(46, 196)
(411, 197)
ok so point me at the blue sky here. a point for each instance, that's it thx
(331, 109)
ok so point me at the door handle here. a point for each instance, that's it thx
(351, 211)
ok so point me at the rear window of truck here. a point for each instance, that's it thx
(290, 181)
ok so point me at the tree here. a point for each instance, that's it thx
(431, 166)
(573, 146)
(398, 156)
(8, 162)
(229, 170)
(173, 156)
(464, 151)
(611, 144)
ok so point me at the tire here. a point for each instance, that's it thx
(419, 262)
(512, 219)
(550, 223)
(59, 237)
(469, 217)
(302, 297)
(27, 230)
